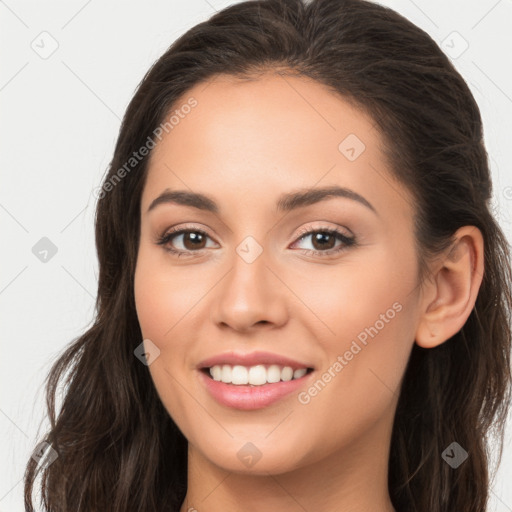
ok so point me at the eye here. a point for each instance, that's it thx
(192, 240)
(324, 240)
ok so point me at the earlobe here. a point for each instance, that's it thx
(451, 294)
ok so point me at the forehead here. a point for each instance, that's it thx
(270, 109)
(258, 137)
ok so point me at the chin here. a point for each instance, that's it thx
(240, 455)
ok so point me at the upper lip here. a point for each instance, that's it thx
(252, 359)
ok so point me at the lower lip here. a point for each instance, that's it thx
(250, 397)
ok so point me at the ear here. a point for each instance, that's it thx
(450, 295)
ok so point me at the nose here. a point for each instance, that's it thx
(249, 297)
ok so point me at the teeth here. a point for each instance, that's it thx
(297, 374)
(216, 372)
(226, 373)
(286, 373)
(239, 375)
(273, 373)
(255, 375)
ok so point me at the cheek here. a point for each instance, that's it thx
(344, 301)
(368, 314)
(164, 302)
(164, 296)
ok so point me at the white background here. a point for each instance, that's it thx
(60, 119)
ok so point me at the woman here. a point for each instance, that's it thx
(304, 299)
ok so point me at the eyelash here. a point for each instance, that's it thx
(347, 241)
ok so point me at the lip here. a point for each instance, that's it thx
(252, 359)
(246, 397)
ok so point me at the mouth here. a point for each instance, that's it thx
(253, 380)
(252, 376)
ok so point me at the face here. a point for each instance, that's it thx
(270, 282)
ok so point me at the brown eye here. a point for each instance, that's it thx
(187, 241)
(323, 241)
(193, 240)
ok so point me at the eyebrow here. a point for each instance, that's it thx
(286, 202)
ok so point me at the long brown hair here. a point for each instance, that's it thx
(118, 449)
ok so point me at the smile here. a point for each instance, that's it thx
(254, 380)
(258, 375)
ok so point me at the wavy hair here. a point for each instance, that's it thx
(118, 448)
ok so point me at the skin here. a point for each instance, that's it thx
(245, 144)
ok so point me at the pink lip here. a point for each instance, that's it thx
(247, 397)
(252, 359)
